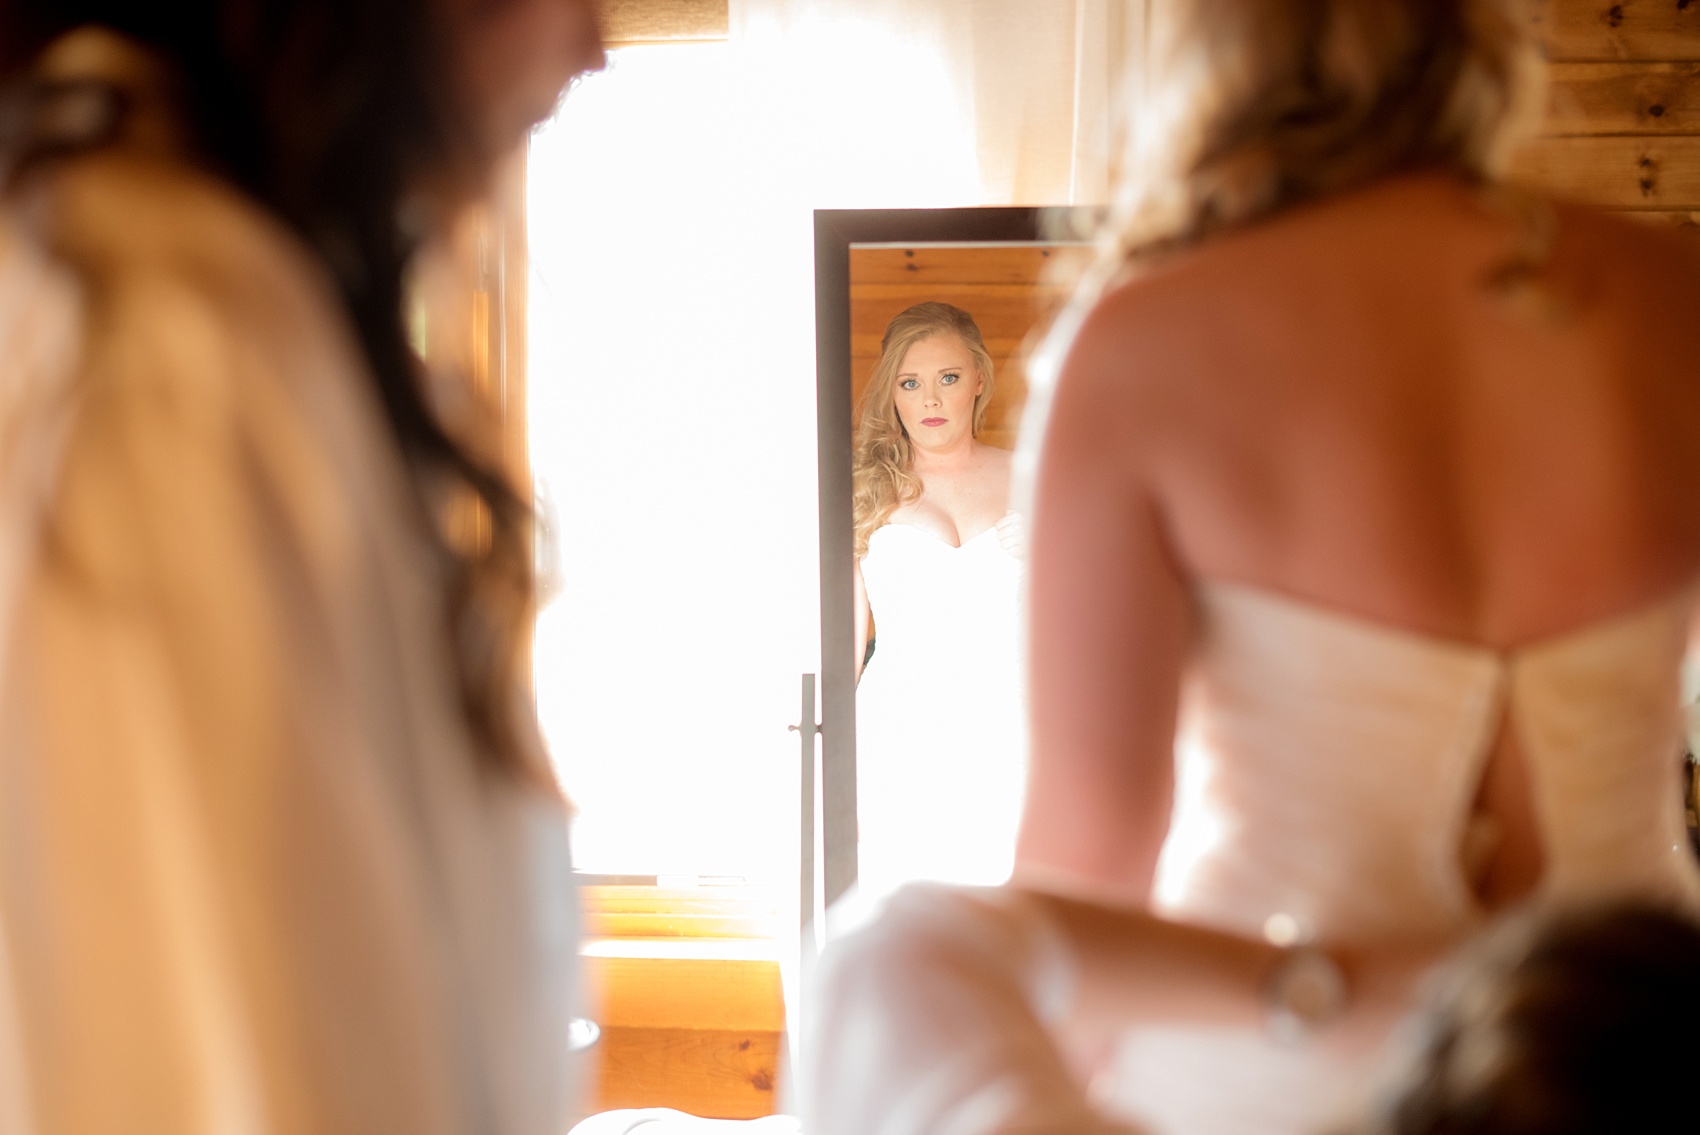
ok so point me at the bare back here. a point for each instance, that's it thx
(1369, 425)
(1338, 407)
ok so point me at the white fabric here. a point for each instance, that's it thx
(941, 740)
(1034, 84)
(1327, 766)
(932, 1020)
(253, 876)
(1305, 730)
(666, 1121)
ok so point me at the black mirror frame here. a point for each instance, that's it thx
(836, 231)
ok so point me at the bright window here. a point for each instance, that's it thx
(671, 416)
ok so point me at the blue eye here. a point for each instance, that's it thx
(909, 384)
(949, 378)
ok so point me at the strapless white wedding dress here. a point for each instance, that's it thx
(1327, 767)
(1326, 770)
(940, 711)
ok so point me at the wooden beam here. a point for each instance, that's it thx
(679, 912)
(687, 993)
(628, 22)
(699, 1034)
(1615, 172)
(1626, 29)
(1624, 98)
(998, 308)
(712, 1073)
(1016, 264)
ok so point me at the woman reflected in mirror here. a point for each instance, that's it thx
(939, 557)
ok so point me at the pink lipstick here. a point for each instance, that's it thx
(934, 421)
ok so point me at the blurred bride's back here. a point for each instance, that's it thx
(1364, 541)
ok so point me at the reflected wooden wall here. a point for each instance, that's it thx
(1623, 122)
(1009, 290)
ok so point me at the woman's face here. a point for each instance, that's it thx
(516, 56)
(937, 383)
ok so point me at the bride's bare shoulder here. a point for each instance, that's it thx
(994, 470)
(1143, 339)
(1661, 251)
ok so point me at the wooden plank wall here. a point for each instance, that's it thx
(628, 22)
(1623, 121)
(688, 997)
(1009, 290)
(699, 1034)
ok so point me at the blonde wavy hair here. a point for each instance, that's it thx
(883, 473)
(1253, 106)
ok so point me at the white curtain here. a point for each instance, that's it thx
(671, 309)
(1028, 86)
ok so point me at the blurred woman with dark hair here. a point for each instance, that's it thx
(1565, 1022)
(279, 848)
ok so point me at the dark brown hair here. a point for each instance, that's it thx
(331, 113)
(1581, 1023)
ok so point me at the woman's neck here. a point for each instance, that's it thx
(956, 459)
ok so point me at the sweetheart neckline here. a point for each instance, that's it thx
(939, 540)
(1683, 595)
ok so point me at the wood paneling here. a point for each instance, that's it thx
(1003, 311)
(687, 993)
(627, 22)
(701, 1035)
(1619, 172)
(683, 985)
(1627, 29)
(1024, 264)
(1010, 290)
(1624, 98)
(714, 1073)
(1622, 129)
(680, 912)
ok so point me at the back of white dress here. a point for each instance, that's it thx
(1327, 767)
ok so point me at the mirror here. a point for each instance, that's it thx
(924, 318)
